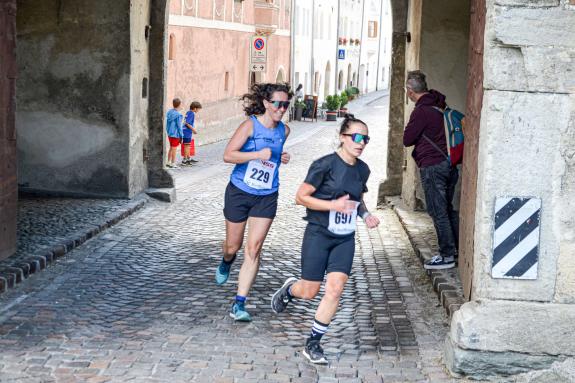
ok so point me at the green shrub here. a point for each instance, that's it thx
(343, 99)
(352, 90)
(332, 102)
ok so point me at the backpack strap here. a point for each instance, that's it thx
(446, 131)
(435, 146)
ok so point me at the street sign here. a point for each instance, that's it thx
(258, 67)
(258, 50)
(341, 54)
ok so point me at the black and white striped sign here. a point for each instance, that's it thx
(516, 238)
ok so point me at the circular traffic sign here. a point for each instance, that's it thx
(259, 44)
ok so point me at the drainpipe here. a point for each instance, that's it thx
(337, 84)
(360, 45)
(379, 45)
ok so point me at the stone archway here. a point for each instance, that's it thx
(280, 77)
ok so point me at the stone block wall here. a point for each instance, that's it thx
(73, 97)
(527, 138)
(526, 148)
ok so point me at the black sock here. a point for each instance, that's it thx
(318, 330)
(290, 296)
(230, 261)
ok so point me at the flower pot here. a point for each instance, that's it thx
(331, 116)
(342, 112)
(298, 113)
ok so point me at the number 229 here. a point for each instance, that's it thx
(259, 174)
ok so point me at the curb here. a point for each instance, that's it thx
(448, 289)
(16, 269)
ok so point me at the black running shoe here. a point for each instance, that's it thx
(314, 352)
(280, 299)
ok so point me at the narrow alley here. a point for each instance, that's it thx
(139, 302)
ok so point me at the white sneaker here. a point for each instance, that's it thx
(438, 263)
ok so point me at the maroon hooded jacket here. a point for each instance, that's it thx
(426, 119)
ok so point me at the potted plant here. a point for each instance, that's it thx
(299, 108)
(332, 104)
(351, 92)
(343, 99)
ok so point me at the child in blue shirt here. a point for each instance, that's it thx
(189, 130)
(174, 130)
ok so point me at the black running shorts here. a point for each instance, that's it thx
(239, 205)
(322, 252)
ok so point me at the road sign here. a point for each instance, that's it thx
(258, 67)
(341, 54)
(258, 51)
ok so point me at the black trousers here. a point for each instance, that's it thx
(438, 183)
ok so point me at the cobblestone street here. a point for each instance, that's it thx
(139, 303)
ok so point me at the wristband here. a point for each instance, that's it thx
(365, 215)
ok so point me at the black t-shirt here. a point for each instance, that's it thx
(332, 178)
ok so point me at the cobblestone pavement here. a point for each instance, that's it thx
(50, 227)
(138, 303)
(421, 232)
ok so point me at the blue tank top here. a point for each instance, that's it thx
(261, 137)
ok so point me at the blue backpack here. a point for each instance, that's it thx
(453, 122)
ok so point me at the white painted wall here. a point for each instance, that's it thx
(302, 45)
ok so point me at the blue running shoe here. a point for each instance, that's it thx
(239, 313)
(223, 273)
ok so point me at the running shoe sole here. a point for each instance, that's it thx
(439, 267)
(321, 361)
(242, 318)
(290, 279)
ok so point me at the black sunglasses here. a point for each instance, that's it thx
(280, 104)
(358, 137)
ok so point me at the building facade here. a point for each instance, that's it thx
(209, 56)
(340, 43)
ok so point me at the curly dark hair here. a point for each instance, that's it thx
(254, 100)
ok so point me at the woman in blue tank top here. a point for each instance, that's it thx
(256, 148)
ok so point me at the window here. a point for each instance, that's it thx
(145, 87)
(227, 81)
(172, 47)
(372, 29)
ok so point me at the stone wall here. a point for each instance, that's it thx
(74, 118)
(8, 180)
(527, 138)
(526, 148)
(139, 93)
(471, 131)
(395, 155)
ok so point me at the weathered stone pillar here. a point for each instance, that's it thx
(522, 306)
(392, 185)
(8, 181)
(158, 177)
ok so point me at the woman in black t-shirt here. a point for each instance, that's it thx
(332, 193)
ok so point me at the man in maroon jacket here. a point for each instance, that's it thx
(426, 132)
